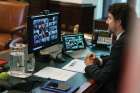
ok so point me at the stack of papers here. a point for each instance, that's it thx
(55, 73)
(75, 65)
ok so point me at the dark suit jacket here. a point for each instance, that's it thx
(108, 73)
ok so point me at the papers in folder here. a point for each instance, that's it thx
(55, 73)
(75, 65)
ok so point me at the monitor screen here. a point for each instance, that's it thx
(43, 31)
(103, 37)
(73, 42)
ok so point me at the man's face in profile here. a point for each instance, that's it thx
(112, 23)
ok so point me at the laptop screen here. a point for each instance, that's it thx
(73, 42)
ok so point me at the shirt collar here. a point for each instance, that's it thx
(119, 34)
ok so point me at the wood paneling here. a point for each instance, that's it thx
(72, 14)
(37, 5)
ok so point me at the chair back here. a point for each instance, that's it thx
(12, 14)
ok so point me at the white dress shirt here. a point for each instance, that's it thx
(119, 34)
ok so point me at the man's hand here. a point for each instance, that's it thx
(90, 59)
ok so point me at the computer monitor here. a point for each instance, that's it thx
(102, 39)
(73, 42)
(43, 31)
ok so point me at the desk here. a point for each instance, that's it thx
(78, 80)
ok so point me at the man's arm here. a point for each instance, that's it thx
(100, 73)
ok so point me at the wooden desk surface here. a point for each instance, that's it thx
(78, 80)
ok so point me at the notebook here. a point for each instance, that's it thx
(75, 65)
(55, 73)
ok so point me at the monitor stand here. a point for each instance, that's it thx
(42, 57)
(55, 53)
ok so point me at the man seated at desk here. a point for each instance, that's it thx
(106, 71)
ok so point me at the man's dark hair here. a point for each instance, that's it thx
(121, 11)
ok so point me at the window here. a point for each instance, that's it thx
(138, 8)
(106, 5)
(102, 7)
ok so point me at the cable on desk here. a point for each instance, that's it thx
(62, 56)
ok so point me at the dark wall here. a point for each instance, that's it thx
(72, 14)
(37, 5)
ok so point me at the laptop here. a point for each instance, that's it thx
(74, 45)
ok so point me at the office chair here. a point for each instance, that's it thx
(12, 21)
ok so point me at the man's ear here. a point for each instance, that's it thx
(119, 22)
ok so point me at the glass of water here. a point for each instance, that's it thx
(30, 64)
(17, 61)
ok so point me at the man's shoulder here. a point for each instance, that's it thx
(123, 38)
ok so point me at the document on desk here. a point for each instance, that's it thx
(55, 73)
(76, 65)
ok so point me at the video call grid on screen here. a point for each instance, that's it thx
(73, 42)
(44, 31)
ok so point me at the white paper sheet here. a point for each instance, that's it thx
(75, 65)
(55, 73)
